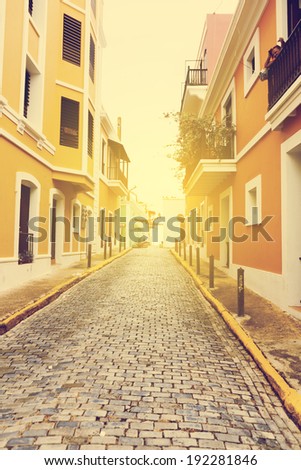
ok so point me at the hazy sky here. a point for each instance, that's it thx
(148, 43)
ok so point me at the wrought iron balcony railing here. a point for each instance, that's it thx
(195, 77)
(286, 69)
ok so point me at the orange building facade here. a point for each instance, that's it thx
(55, 138)
(252, 195)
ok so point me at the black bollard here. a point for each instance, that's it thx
(89, 255)
(240, 292)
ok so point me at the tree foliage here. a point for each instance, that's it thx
(201, 138)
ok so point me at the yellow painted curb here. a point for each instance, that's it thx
(53, 294)
(288, 395)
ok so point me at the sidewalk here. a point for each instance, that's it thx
(276, 333)
(15, 299)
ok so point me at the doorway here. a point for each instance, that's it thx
(25, 247)
(292, 227)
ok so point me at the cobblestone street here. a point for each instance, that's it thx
(133, 357)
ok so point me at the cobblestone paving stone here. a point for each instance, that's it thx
(134, 358)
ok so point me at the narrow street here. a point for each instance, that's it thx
(133, 357)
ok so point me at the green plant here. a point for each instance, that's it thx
(201, 138)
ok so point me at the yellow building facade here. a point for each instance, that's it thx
(52, 129)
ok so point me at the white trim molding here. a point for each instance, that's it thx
(23, 125)
(251, 61)
(291, 223)
(40, 159)
(253, 201)
(2, 36)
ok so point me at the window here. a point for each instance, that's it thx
(90, 134)
(26, 94)
(92, 59)
(253, 201)
(69, 123)
(33, 92)
(72, 40)
(251, 62)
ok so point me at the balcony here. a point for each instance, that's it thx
(208, 175)
(115, 175)
(117, 171)
(284, 81)
(194, 89)
(77, 181)
(286, 69)
(211, 170)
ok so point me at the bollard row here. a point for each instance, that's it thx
(180, 248)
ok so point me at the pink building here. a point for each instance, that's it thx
(198, 78)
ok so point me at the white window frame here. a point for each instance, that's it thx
(281, 19)
(251, 77)
(34, 210)
(253, 185)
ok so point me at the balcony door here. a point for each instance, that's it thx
(293, 14)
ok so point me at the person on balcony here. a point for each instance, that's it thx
(273, 53)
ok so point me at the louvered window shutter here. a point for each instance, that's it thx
(30, 7)
(72, 40)
(69, 123)
(92, 58)
(90, 134)
(26, 93)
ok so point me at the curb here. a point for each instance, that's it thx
(46, 299)
(290, 398)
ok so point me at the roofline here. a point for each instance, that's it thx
(242, 26)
